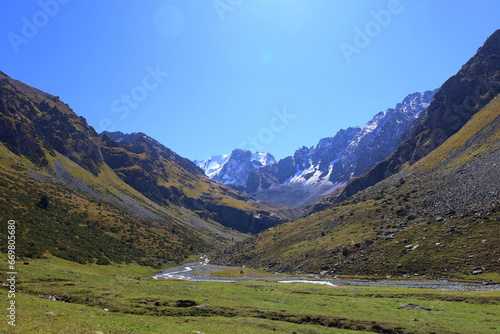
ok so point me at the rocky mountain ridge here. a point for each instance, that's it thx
(234, 168)
(314, 172)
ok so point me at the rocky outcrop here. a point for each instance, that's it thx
(32, 120)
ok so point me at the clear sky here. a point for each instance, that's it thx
(206, 76)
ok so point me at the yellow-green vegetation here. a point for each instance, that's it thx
(374, 237)
(87, 198)
(173, 179)
(438, 218)
(483, 121)
(59, 296)
(95, 218)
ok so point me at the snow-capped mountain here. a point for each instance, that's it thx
(234, 168)
(314, 172)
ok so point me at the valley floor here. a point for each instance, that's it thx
(59, 296)
(202, 271)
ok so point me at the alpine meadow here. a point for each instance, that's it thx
(203, 167)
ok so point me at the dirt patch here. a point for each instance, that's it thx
(185, 303)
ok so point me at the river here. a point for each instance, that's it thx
(202, 272)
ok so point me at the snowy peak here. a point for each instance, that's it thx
(404, 112)
(263, 159)
(413, 103)
(312, 172)
(234, 168)
(212, 165)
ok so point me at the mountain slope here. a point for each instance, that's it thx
(460, 97)
(169, 179)
(438, 217)
(32, 120)
(68, 201)
(234, 168)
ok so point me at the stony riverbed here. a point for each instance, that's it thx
(202, 272)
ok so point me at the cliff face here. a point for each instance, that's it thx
(33, 121)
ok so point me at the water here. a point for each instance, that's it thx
(201, 272)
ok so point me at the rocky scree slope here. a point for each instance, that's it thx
(438, 218)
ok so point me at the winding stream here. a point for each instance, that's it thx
(201, 272)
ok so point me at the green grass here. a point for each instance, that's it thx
(102, 220)
(240, 272)
(152, 306)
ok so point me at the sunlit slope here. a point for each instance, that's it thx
(69, 202)
(438, 217)
(166, 178)
(453, 105)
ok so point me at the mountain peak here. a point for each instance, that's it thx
(312, 172)
(234, 168)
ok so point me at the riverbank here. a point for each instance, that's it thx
(203, 271)
(68, 297)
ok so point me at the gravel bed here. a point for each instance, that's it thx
(201, 271)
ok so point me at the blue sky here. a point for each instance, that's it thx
(206, 76)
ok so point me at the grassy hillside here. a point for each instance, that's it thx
(92, 200)
(436, 218)
(166, 178)
(98, 219)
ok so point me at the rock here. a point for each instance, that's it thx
(345, 251)
(51, 314)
